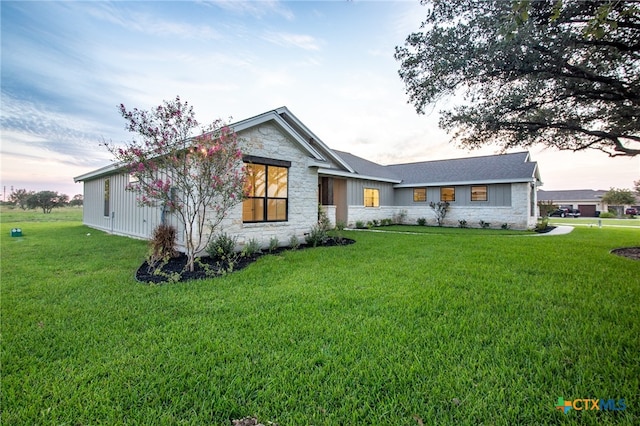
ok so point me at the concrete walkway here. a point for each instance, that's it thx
(559, 230)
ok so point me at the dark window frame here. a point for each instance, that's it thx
(453, 191)
(420, 200)
(250, 160)
(106, 209)
(486, 193)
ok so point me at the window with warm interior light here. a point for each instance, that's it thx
(267, 193)
(479, 193)
(371, 197)
(419, 195)
(447, 194)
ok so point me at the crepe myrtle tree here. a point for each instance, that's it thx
(198, 178)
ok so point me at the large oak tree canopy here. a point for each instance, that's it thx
(563, 73)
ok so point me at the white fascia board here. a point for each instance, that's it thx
(103, 171)
(328, 150)
(460, 183)
(341, 173)
(273, 115)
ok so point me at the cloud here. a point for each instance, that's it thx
(152, 25)
(301, 41)
(256, 9)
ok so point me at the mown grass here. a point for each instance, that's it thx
(594, 221)
(453, 328)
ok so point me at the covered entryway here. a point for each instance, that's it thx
(333, 194)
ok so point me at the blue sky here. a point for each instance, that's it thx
(67, 65)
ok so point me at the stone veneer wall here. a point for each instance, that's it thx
(268, 141)
(516, 216)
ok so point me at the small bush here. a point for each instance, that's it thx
(505, 226)
(370, 224)
(440, 209)
(340, 225)
(542, 224)
(294, 242)
(607, 215)
(399, 217)
(251, 247)
(317, 236)
(462, 224)
(222, 247)
(386, 222)
(484, 225)
(375, 222)
(273, 243)
(422, 221)
(162, 244)
(360, 224)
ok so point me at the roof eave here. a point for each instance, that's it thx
(341, 173)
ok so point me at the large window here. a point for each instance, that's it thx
(447, 194)
(107, 197)
(479, 193)
(267, 190)
(371, 197)
(419, 195)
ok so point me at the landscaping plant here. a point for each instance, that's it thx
(198, 178)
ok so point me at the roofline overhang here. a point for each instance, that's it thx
(466, 182)
(102, 171)
(341, 173)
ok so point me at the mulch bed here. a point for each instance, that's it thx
(630, 252)
(545, 230)
(207, 267)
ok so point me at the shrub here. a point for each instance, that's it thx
(386, 222)
(162, 248)
(162, 244)
(370, 224)
(273, 243)
(360, 224)
(340, 225)
(375, 222)
(542, 224)
(400, 217)
(440, 209)
(317, 236)
(422, 221)
(251, 247)
(462, 224)
(484, 225)
(505, 226)
(222, 247)
(607, 215)
(323, 219)
(294, 242)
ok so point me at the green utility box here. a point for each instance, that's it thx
(16, 232)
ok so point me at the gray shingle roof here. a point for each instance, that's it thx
(514, 167)
(571, 195)
(366, 167)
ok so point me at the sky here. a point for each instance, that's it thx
(67, 65)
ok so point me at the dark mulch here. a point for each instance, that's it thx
(545, 230)
(208, 267)
(630, 252)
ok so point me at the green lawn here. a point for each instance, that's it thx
(594, 221)
(453, 328)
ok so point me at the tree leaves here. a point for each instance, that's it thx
(559, 73)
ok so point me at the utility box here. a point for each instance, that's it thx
(16, 232)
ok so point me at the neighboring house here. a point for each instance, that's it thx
(301, 172)
(588, 201)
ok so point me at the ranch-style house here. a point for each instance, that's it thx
(295, 172)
